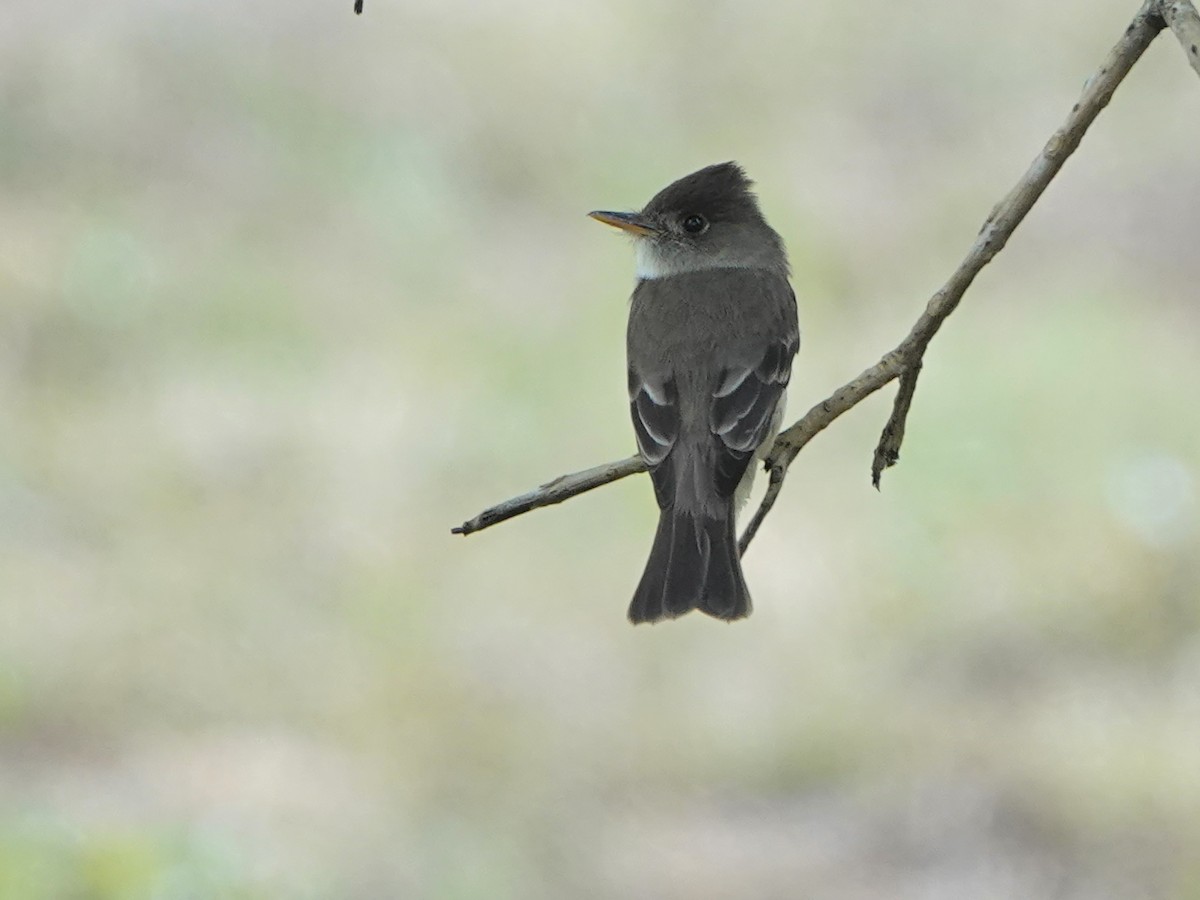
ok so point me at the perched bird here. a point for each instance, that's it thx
(712, 334)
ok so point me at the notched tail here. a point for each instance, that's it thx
(693, 564)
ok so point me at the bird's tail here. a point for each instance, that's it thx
(693, 564)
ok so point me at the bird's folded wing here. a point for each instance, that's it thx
(741, 408)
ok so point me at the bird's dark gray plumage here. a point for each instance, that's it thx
(712, 334)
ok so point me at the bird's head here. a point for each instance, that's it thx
(707, 220)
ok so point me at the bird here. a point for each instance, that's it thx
(712, 335)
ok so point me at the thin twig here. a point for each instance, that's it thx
(887, 451)
(905, 360)
(774, 484)
(564, 487)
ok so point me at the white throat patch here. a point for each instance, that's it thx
(649, 262)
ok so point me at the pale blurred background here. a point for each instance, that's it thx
(285, 293)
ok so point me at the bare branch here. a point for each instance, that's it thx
(1181, 16)
(564, 487)
(904, 362)
(996, 230)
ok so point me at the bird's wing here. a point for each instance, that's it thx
(743, 406)
(654, 407)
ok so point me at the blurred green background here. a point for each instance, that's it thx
(285, 293)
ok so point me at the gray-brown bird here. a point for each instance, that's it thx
(712, 334)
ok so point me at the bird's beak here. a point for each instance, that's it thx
(631, 222)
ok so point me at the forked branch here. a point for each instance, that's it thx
(904, 362)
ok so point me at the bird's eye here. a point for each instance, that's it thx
(694, 224)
